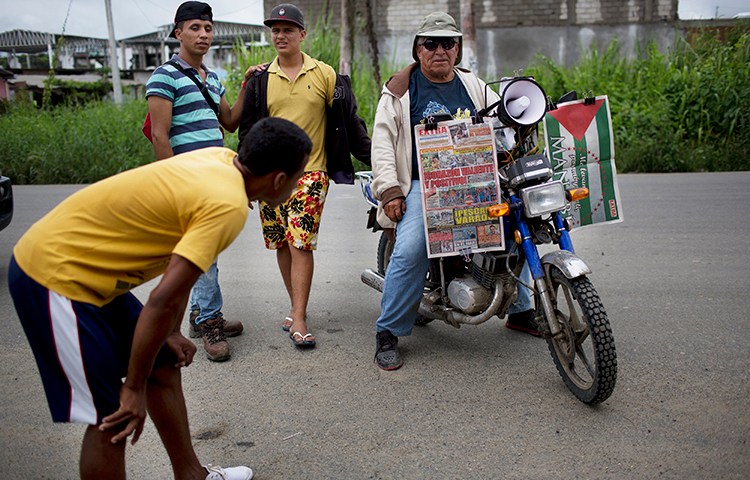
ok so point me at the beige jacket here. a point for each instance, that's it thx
(392, 135)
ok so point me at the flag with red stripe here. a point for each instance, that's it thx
(581, 149)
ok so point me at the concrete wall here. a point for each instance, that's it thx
(510, 33)
(508, 49)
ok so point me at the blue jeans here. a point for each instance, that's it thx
(523, 300)
(408, 267)
(206, 295)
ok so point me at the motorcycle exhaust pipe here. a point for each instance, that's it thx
(373, 279)
(456, 318)
(499, 302)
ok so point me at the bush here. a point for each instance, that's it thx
(73, 144)
(685, 111)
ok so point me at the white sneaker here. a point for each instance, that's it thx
(231, 473)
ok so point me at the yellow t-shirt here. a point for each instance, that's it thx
(303, 102)
(118, 233)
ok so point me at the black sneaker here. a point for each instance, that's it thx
(386, 354)
(524, 322)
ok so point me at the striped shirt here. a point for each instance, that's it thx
(194, 123)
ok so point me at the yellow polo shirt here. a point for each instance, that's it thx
(303, 102)
(120, 232)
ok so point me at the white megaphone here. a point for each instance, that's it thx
(523, 103)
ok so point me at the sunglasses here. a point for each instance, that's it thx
(431, 44)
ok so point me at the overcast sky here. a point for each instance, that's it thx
(87, 18)
(135, 17)
(689, 9)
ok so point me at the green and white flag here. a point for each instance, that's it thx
(581, 149)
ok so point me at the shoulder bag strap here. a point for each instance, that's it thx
(203, 87)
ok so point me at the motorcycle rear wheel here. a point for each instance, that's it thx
(385, 249)
(584, 351)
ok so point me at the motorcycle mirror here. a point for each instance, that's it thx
(568, 97)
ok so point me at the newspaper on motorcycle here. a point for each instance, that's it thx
(458, 175)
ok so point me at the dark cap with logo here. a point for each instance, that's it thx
(192, 11)
(286, 12)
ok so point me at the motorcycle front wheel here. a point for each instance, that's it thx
(584, 351)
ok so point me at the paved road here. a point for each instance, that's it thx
(475, 403)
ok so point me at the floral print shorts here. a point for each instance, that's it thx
(297, 220)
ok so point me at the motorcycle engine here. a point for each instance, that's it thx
(468, 295)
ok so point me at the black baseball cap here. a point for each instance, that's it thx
(192, 11)
(286, 12)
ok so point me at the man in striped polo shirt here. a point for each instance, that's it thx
(184, 120)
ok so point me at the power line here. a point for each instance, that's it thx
(252, 4)
(67, 15)
(144, 14)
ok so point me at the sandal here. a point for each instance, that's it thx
(302, 341)
(286, 325)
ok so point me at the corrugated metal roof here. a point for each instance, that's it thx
(26, 41)
(224, 32)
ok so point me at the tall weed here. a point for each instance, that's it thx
(72, 144)
(686, 110)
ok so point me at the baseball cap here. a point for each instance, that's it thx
(192, 11)
(438, 24)
(286, 12)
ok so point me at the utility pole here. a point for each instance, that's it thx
(468, 28)
(346, 49)
(373, 39)
(116, 86)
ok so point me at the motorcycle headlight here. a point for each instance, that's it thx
(542, 199)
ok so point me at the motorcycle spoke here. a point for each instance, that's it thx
(590, 368)
(581, 336)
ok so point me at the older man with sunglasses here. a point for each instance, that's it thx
(432, 87)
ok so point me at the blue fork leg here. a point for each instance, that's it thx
(565, 242)
(535, 265)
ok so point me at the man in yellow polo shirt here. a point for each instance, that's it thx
(296, 87)
(71, 275)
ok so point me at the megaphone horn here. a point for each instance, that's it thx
(523, 102)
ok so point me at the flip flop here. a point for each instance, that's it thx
(302, 341)
(287, 324)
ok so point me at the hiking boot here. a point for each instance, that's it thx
(232, 328)
(214, 341)
(386, 354)
(231, 473)
(524, 322)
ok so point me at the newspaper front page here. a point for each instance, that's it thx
(458, 174)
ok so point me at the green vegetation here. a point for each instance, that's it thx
(72, 144)
(684, 111)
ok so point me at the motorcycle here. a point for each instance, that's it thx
(472, 288)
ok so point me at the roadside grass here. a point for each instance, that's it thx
(683, 111)
(72, 144)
